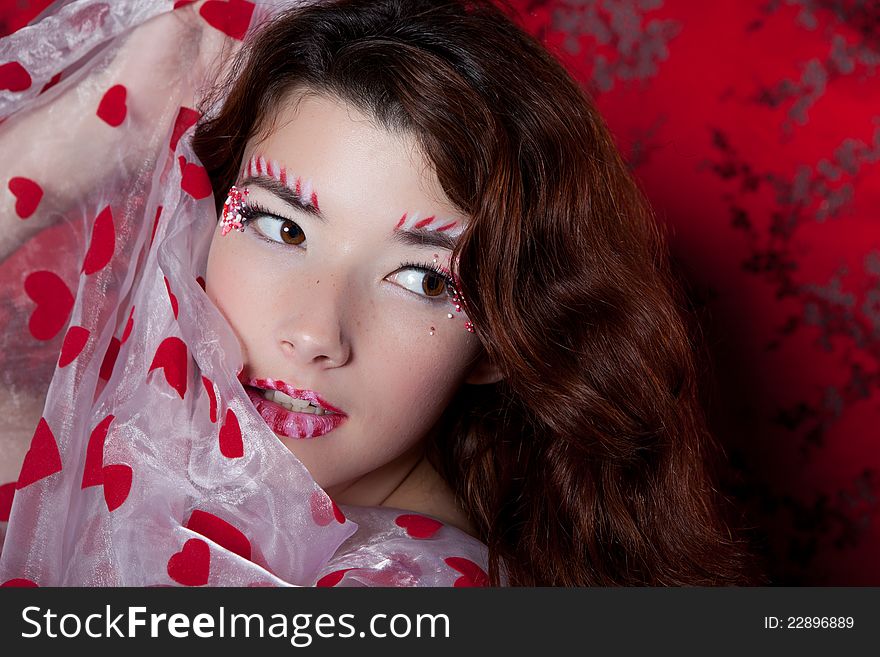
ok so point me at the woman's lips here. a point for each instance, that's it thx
(290, 423)
(276, 384)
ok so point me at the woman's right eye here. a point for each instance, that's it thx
(278, 229)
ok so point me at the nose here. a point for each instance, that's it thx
(313, 334)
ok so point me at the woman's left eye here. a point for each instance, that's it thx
(423, 281)
(278, 229)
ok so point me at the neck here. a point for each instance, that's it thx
(378, 486)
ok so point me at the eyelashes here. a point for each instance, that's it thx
(437, 284)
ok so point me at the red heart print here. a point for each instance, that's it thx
(54, 303)
(182, 3)
(337, 513)
(324, 510)
(19, 582)
(117, 484)
(128, 326)
(155, 224)
(220, 531)
(195, 181)
(51, 83)
(28, 195)
(172, 359)
(110, 357)
(212, 398)
(201, 282)
(171, 297)
(93, 470)
(186, 118)
(418, 526)
(472, 574)
(103, 243)
(74, 341)
(332, 579)
(42, 459)
(232, 17)
(192, 564)
(14, 77)
(231, 445)
(7, 492)
(112, 109)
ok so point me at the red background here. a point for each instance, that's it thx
(754, 127)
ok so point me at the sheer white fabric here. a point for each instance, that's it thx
(132, 453)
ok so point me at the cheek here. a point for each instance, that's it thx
(416, 373)
(240, 293)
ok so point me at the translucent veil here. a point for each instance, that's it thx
(133, 455)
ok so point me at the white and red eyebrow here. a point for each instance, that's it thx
(413, 221)
(259, 166)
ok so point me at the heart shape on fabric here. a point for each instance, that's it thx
(117, 484)
(14, 77)
(42, 459)
(110, 357)
(171, 358)
(112, 108)
(332, 579)
(19, 582)
(324, 509)
(192, 564)
(54, 303)
(55, 79)
(155, 224)
(171, 296)
(128, 326)
(232, 17)
(28, 195)
(195, 181)
(186, 118)
(93, 474)
(103, 243)
(219, 531)
(231, 444)
(212, 398)
(7, 492)
(74, 341)
(472, 574)
(418, 526)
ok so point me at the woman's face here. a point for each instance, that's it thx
(325, 293)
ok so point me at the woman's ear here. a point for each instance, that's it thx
(484, 371)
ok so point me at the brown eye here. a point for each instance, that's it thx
(292, 233)
(433, 285)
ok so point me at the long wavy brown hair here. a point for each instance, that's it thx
(590, 462)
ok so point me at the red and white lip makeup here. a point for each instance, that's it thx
(293, 424)
(259, 166)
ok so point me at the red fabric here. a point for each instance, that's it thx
(754, 130)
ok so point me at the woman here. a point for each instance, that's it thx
(425, 232)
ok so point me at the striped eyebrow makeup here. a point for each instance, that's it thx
(258, 166)
(412, 222)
